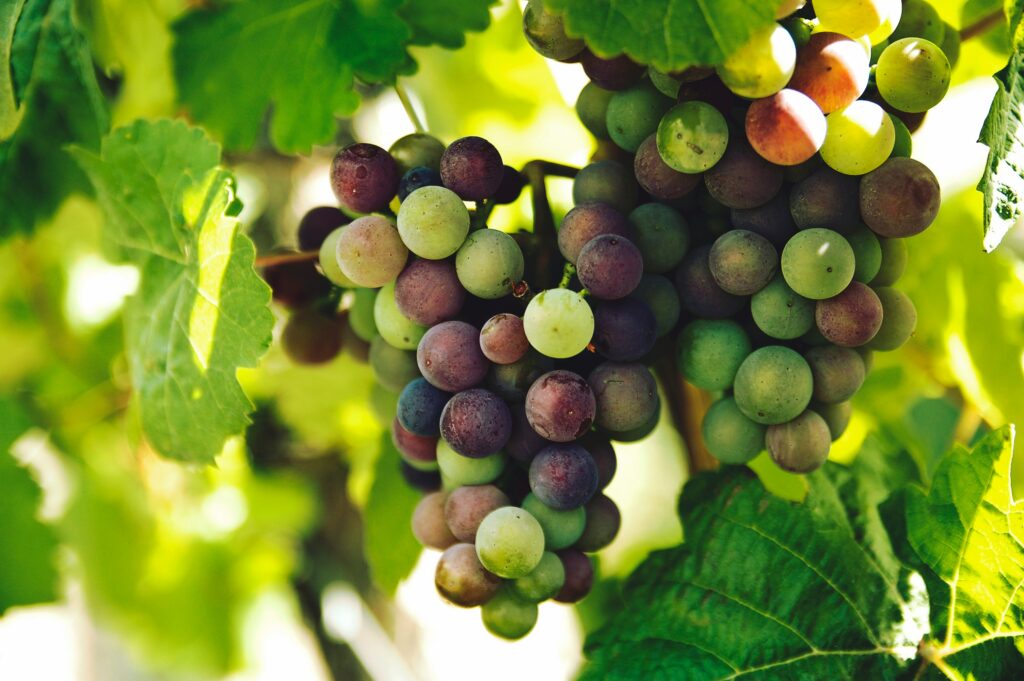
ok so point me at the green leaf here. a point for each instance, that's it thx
(445, 22)
(670, 36)
(391, 548)
(969, 531)
(28, 575)
(764, 588)
(201, 310)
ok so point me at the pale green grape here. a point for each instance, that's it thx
(913, 74)
(489, 263)
(730, 436)
(818, 263)
(458, 470)
(561, 528)
(854, 18)
(544, 582)
(509, 616)
(433, 222)
(559, 323)
(891, 19)
(860, 138)
(692, 137)
(329, 264)
(762, 66)
(397, 329)
(510, 542)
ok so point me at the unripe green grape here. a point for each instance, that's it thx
(545, 31)
(397, 329)
(894, 261)
(773, 385)
(360, 315)
(510, 542)
(544, 582)
(951, 45)
(762, 66)
(837, 372)
(509, 616)
(731, 437)
(837, 417)
(867, 253)
(417, 150)
(818, 263)
(558, 323)
(742, 262)
(592, 109)
(489, 263)
(662, 235)
(854, 18)
(666, 84)
(859, 139)
(433, 222)
(710, 352)
(800, 445)
(893, 12)
(904, 146)
(919, 20)
(606, 182)
(781, 312)
(393, 368)
(329, 261)
(692, 137)
(899, 319)
(634, 114)
(660, 295)
(370, 251)
(561, 528)
(458, 470)
(913, 75)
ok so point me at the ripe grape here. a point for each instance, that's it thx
(603, 523)
(476, 423)
(428, 291)
(512, 183)
(825, 199)
(433, 222)
(424, 481)
(605, 182)
(419, 451)
(780, 312)
(698, 291)
(558, 323)
(838, 373)
(428, 522)
(511, 381)
(800, 445)
(489, 263)
(524, 443)
(633, 114)
(371, 252)
(360, 316)
(317, 224)
(449, 356)
(311, 337)
(894, 261)
(656, 177)
(851, 318)
(545, 31)
(730, 436)
(364, 178)
(786, 128)
(742, 262)
(660, 296)
(899, 319)
(773, 220)
(419, 407)
(860, 137)
(563, 476)
(624, 330)
(742, 179)
(461, 578)
(662, 235)
(472, 168)
(610, 267)
(837, 417)
(328, 259)
(544, 582)
(773, 385)
(832, 70)
(818, 263)
(583, 223)
(592, 109)
(458, 470)
(710, 352)
(561, 528)
(393, 326)
(867, 253)
(296, 284)
(417, 178)
(509, 616)
(854, 18)
(579, 576)
(417, 150)
(900, 199)
(692, 137)
(626, 395)
(466, 508)
(913, 75)
(762, 66)
(510, 542)
(560, 406)
(603, 453)
(617, 73)
(503, 340)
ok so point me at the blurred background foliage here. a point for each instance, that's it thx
(161, 570)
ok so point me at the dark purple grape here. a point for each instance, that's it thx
(428, 291)
(626, 395)
(656, 177)
(311, 337)
(476, 423)
(900, 198)
(583, 223)
(364, 178)
(462, 580)
(603, 523)
(296, 284)
(511, 381)
(472, 168)
(852, 318)
(825, 199)
(503, 340)
(467, 506)
(698, 291)
(524, 443)
(420, 451)
(713, 91)
(512, 183)
(449, 356)
(563, 476)
(415, 179)
(316, 224)
(742, 179)
(603, 453)
(428, 522)
(624, 330)
(560, 406)
(419, 408)
(351, 344)
(424, 481)
(610, 267)
(742, 262)
(773, 220)
(579, 576)
(617, 73)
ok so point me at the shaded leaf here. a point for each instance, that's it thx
(391, 548)
(445, 22)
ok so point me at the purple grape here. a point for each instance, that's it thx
(610, 267)
(579, 576)
(449, 356)
(624, 330)
(583, 223)
(420, 451)
(415, 179)
(364, 178)
(476, 423)
(296, 284)
(742, 179)
(311, 337)
(656, 177)
(825, 199)
(419, 408)
(773, 220)
(316, 224)
(603, 453)
(428, 291)
(626, 394)
(560, 406)
(424, 481)
(524, 443)
(467, 506)
(698, 291)
(900, 198)
(472, 168)
(512, 183)
(617, 73)
(852, 318)
(603, 523)
(503, 340)
(563, 476)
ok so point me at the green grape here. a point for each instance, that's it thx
(592, 109)
(859, 139)
(397, 329)
(894, 261)
(607, 182)
(509, 616)
(899, 319)
(510, 542)
(853, 18)
(762, 66)
(433, 222)
(801, 445)
(489, 263)
(818, 263)
(661, 234)
(393, 368)
(660, 295)
(329, 260)
(730, 436)
(558, 323)
(920, 20)
(360, 315)
(710, 352)
(544, 582)
(692, 137)
(867, 253)
(780, 312)
(773, 385)
(891, 15)
(458, 470)
(904, 145)
(951, 45)
(837, 417)
(418, 150)
(913, 75)
(665, 83)
(545, 31)
(633, 115)
(561, 528)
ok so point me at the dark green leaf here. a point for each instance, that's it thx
(445, 22)
(391, 548)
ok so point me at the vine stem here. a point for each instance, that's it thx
(982, 25)
(285, 258)
(543, 220)
(410, 110)
(687, 406)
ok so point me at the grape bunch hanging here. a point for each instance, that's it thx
(748, 218)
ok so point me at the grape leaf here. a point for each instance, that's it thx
(201, 311)
(672, 35)
(391, 548)
(763, 588)
(445, 22)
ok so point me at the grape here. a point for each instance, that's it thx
(428, 523)
(545, 31)
(466, 507)
(360, 316)
(449, 356)
(311, 337)
(851, 318)
(892, 12)
(509, 616)
(904, 146)
(742, 179)
(786, 128)
(393, 368)
(773, 385)
(633, 114)
(296, 284)
(837, 417)
(458, 470)
(660, 296)
(419, 451)
(560, 406)
(854, 18)
(603, 523)
(818, 263)
(605, 182)
(371, 252)
(417, 178)
(433, 222)
(825, 199)
(661, 234)
(762, 66)
(692, 137)
(610, 267)
(425, 481)
(419, 407)
(511, 381)
(583, 223)
(563, 476)
(512, 183)
(544, 582)
(417, 150)
(626, 395)
(489, 263)
(524, 443)
(618, 73)
(860, 137)
(592, 109)
(913, 75)
(919, 20)
(476, 423)
(351, 344)
(317, 224)
(710, 352)
(558, 323)
(561, 528)
(642, 431)
(428, 291)
(656, 177)
(510, 542)
(472, 168)
(900, 199)
(742, 262)
(780, 312)
(698, 291)
(462, 580)
(894, 261)
(624, 330)
(801, 445)
(503, 340)
(838, 373)
(730, 436)
(328, 259)
(579, 576)
(787, 7)
(773, 220)
(394, 327)
(712, 91)
(832, 70)
(364, 178)
(950, 45)
(899, 319)
(867, 253)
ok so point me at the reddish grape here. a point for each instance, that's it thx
(476, 423)
(852, 318)
(503, 340)
(832, 70)
(584, 222)
(656, 177)
(900, 198)
(428, 291)
(560, 406)
(579, 576)
(364, 178)
(617, 73)
(449, 356)
(428, 522)
(472, 168)
(786, 128)
(610, 267)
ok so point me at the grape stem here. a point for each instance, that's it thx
(982, 25)
(285, 258)
(543, 220)
(687, 406)
(481, 214)
(410, 110)
(567, 271)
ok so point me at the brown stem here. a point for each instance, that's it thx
(687, 406)
(982, 25)
(543, 220)
(285, 258)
